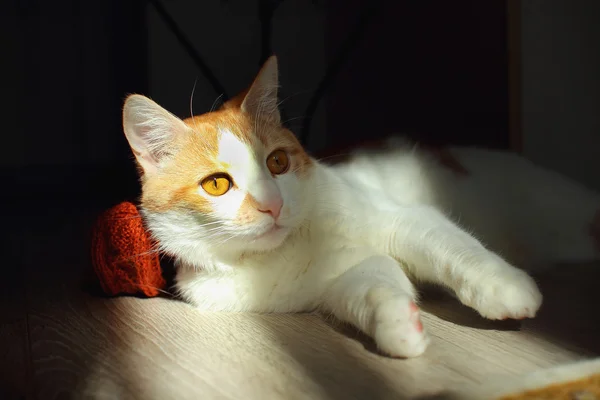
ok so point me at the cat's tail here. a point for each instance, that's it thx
(570, 219)
(554, 218)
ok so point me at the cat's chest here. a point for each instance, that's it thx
(314, 257)
(292, 277)
(298, 253)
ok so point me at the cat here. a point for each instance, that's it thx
(258, 225)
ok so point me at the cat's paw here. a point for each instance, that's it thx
(397, 328)
(507, 293)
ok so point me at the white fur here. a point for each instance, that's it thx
(351, 235)
(355, 231)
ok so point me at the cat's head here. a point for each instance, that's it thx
(228, 181)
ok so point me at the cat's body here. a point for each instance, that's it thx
(293, 234)
(531, 216)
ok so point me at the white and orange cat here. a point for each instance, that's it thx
(256, 224)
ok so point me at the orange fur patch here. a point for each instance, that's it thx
(247, 211)
(177, 184)
(196, 152)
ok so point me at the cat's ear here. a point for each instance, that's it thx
(261, 99)
(151, 131)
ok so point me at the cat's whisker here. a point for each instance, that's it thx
(214, 234)
(210, 223)
(293, 119)
(259, 117)
(162, 256)
(225, 241)
(214, 104)
(192, 104)
(146, 253)
(298, 168)
(305, 224)
(309, 91)
(334, 156)
(141, 285)
(216, 228)
(255, 122)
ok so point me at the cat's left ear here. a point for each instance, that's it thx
(261, 99)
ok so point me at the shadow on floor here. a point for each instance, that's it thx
(568, 316)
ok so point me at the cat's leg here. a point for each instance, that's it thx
(437, 250)
(377, 297)
(211, 292)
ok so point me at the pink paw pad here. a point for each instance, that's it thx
(505, 318)
(415, 317)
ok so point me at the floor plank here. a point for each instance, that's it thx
(160, 349)
(83, 346)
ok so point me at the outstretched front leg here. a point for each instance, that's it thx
(437, 250)
(377, 297)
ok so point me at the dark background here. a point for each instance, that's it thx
(518, 75)
(504, 74)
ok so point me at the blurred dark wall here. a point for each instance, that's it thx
(561, 86)
(435, 70)
(227, 35)
(73, 61)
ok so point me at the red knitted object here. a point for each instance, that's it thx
(123, 254)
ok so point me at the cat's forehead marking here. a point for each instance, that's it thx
(230, 147)
(232, 150)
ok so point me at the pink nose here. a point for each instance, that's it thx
(272, 207)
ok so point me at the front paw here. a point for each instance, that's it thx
(397, 328)
(505, 293)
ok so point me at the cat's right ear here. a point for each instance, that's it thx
(151, 131)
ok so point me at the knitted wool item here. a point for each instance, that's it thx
(123, 254)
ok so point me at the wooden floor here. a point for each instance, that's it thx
(58, 341)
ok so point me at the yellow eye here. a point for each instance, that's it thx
(278, 162)
(216, 185)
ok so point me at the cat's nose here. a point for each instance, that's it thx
(272, 207)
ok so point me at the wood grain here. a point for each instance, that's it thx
(87, 347)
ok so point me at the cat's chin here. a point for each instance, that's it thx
(270, 239)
